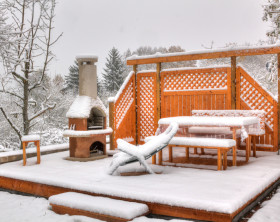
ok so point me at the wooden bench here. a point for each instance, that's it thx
(30, 139)
(221, 145)
(102, 208)
(236, 113)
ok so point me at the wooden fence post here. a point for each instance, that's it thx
(154, 160)
(136, 110)
(233, 82)
(278, 103)
(111, 123)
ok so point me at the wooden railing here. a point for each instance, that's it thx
(251, 96)
(122, 113)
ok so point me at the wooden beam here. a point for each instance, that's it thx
(233, 82)
(278, 105)
(111, 124)
(136, 110)
(198, 55)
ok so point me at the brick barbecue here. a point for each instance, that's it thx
(87, 115)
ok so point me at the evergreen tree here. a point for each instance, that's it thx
(113, 75)
(72, 80)
(272, 15)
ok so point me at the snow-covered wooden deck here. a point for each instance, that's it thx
(180, 192)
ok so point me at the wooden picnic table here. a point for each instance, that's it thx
(232, 123)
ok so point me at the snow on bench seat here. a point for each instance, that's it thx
(210, 130)
(204, 142)
(30, 138)
(100, 205)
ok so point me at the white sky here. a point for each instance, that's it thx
(95, 26)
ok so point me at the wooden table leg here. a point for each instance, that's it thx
(219, 159)
(170, 154)
(195, 151)
(254, 147)
(234, 156)
(38, 152)
(225, 160)
(234, 148)
(202, 151)
(24, 144)
(160, 157)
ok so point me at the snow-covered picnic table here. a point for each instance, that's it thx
(217, 127)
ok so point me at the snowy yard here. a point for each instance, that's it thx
(220, 191)
(18, 208)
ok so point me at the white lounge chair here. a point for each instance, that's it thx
(131, 153)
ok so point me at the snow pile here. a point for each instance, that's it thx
(30, 138)
(100, 205)
(82, 106)
(85, 56)
(18, 208)
(269, 211)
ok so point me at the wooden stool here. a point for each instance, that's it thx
(31, 139)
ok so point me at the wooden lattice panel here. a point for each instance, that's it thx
(190, 80)
(255, 98)
(146, 105)
(124, 102)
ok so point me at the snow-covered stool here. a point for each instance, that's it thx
(101, 208)
(30, 139)
(221, 145)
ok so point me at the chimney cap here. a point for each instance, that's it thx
(87, 58)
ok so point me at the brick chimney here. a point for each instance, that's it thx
(87, 75)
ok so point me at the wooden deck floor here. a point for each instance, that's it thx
(46, 191)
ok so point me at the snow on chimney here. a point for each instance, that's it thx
(87, 75)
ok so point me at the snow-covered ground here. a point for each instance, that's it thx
(221, 191)
(18, 208)
(270, 210)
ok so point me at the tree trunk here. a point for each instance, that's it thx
(25, 101)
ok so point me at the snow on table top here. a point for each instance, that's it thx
(82, 106)
(269, 211)
(220, 191)
(210, 121)
(30, 138)
(100, 205)
(194, 141)
(77, 133)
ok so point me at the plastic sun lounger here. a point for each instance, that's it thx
(131, 153)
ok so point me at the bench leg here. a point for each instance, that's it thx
(254, 147)
(24, 153)
(187, 153)
(160, 157)
(154, 159)
(225, 160)
(170, 154)
(38, 152)
(219, 161)
(202, 151)
(247, 148)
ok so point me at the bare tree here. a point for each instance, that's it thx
(27, 60)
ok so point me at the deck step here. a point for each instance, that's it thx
(101, 208)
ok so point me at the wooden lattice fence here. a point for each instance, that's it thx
(183, 91)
